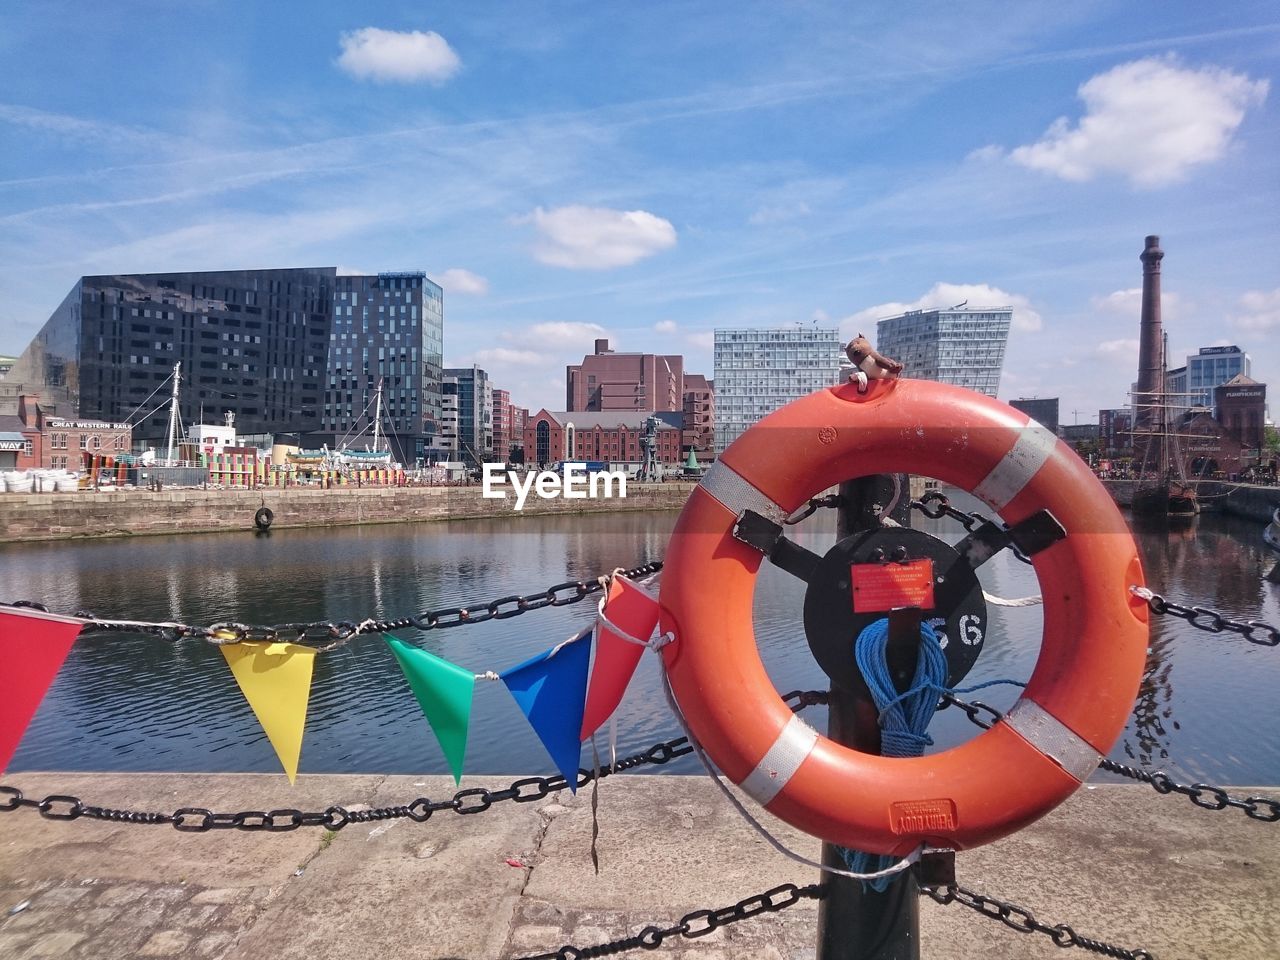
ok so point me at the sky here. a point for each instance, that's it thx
(651, 172)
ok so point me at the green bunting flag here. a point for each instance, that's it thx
(443, 690)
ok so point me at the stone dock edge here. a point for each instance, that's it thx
(1118, 863)
(128, 513)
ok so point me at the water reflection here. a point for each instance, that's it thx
(135, 703)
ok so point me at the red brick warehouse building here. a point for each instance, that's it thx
(609, 436)
(56, 442)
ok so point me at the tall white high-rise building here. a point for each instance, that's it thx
(961, 345)
(759, 370)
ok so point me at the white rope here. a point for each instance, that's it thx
(903, 864)
(1016, 602)
(584, 632)
(657, 643)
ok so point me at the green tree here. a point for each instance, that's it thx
(1271, 440)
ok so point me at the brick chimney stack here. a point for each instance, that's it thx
(1151, 339)
(602, 346)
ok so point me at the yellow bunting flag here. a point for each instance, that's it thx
(276, 680)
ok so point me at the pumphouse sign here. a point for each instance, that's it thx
(572, 482)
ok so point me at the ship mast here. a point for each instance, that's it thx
(173, 412)
(377, 417)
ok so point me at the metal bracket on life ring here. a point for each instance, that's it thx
(868, 574)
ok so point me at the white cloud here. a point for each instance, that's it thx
(948, 295)
(665, 326)
(1260, 311)
(560, 333)
(706, 339)
(1151, 121)
(505, 355)
(457, 280)
(389, 56)
(596, 238)
(1127, 304)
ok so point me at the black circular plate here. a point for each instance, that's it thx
(892, 557)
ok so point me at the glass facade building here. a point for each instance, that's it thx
(261, 344)
(961, 345)
(1211, 367)
(475, 414)
(759, 370)
(388, 328)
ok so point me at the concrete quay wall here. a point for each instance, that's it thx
(132, 512)
(1242, 500)
(1118, 863)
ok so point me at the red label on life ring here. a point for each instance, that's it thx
(880, 587)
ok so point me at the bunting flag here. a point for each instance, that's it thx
(443, 690)
(33, 645)
(632, 610)
(551, 689)
(276, 680)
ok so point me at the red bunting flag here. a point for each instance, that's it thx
(630, 609)
(33, 645)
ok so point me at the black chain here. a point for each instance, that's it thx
(332, 634)
(1203, 795)
(813, 506)
(699, 923)
(943, 508)
(1023, 920)
(468, 801)
(1202, 618)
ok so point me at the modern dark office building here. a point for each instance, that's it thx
(1043, 410)
(387, 328)
(295, 350)
(475, 414)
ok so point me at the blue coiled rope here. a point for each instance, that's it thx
(904, 717)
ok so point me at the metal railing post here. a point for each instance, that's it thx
(856, 922)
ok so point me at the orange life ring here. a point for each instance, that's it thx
(1079, 695)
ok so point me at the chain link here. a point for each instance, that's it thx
(970, 521)
(1024, 921)
(465, 802)
(1203, 795)
(328, 635)
(815, 504)
(1211, 621)
(699, 923)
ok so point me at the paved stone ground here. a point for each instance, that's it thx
(1119, 863)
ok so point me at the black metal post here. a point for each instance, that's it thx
(856, 922)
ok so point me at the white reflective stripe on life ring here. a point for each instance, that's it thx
(1053, 738)
(737, 493)
(1035, 444)
(780, 763)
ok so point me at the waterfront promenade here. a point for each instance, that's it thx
(1118, 863)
